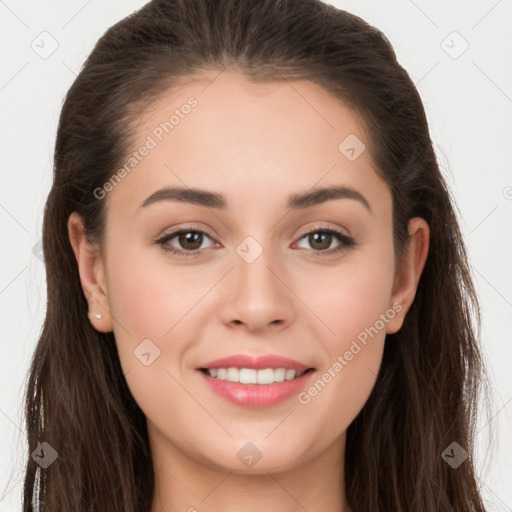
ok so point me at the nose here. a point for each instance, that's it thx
(258, 295)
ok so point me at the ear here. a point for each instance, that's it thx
(408, 272)
(92, 274)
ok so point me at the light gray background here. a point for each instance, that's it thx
(468, 98)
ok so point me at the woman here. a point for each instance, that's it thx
(258, 293)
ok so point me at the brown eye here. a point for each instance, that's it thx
(189, 242)
(321, 239)
(190, 239)
(185, 242)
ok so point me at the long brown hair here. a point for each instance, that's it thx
(432, 373)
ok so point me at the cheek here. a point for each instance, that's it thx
(353, 304)
(152, 307)
(147, 295)
(144, 303)
(352, 298)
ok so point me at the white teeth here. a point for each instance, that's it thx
(290, 374)
(279, 374)
(251, 376)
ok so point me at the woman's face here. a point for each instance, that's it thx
(258, 273)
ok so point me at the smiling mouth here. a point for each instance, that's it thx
(252, 376)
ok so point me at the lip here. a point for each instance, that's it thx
(256, 395)
(256, 363)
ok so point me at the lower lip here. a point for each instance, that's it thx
(257, 395)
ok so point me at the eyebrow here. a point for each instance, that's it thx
(215, 200)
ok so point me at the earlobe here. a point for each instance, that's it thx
(409, 272)
(92, 275)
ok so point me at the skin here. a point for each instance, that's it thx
(255, 144)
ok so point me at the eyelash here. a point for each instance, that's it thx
(346, 241)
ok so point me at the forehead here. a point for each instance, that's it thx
(250, 140)
(230, 108)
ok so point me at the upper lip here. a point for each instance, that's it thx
(256, 362)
